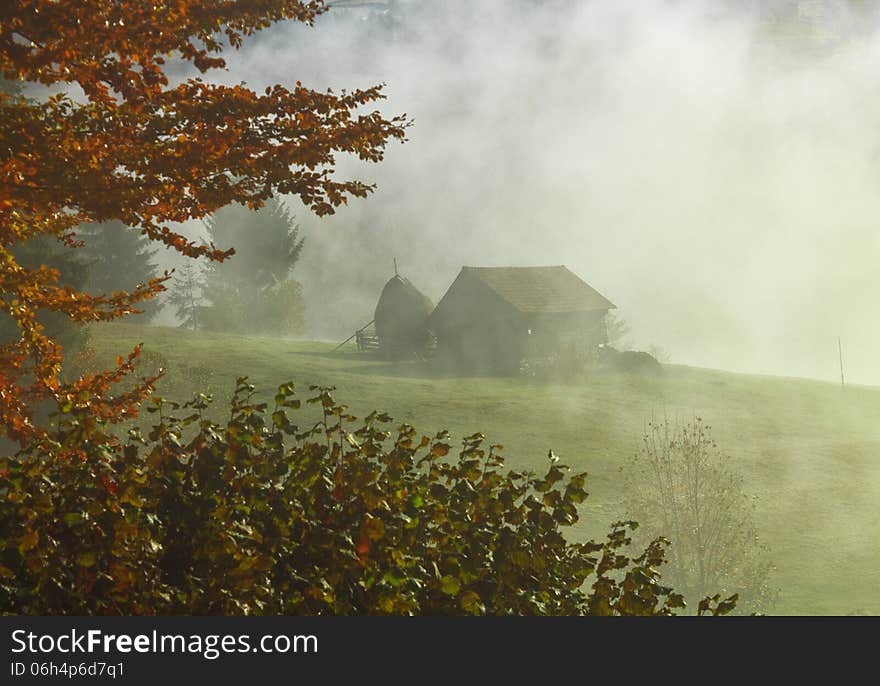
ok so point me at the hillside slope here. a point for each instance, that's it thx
(810, 451)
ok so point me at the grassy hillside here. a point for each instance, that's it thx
(810, 451)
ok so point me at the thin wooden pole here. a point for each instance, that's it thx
(350, 337)
(840, 356)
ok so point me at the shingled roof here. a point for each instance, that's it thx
(541, 289)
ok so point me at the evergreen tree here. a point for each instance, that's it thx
(254, 291)
(119, 258)
(267, 244)
(185, 295)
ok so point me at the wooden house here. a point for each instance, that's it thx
(494, 318)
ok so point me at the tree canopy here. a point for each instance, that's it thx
(137, 148)
(73, 271)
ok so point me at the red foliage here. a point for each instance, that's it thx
(145, 152)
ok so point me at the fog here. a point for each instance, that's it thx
(711, 168)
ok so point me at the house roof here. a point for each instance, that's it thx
(541, 289)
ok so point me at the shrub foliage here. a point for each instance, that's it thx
(261, 516)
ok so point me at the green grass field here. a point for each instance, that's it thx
(809, 450)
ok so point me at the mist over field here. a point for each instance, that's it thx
(715, 176)
(708, 172)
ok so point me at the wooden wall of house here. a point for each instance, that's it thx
(478, 330)
(494, 342)
(552, 333)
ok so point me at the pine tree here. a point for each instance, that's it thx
(185, 295)
(267, 244)
(253, 290)
(118, 257)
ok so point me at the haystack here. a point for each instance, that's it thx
(401, 319)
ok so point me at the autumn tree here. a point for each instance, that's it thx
(73, 272)
(136, 148)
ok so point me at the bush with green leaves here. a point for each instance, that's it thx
(261, 516)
